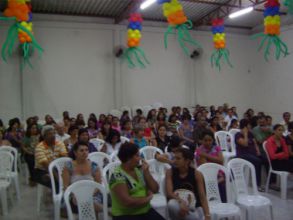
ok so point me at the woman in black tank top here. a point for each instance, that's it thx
(183, 178)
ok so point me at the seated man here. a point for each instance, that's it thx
(61, 135)
(47, 151)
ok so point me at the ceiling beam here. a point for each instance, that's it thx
(130, 8)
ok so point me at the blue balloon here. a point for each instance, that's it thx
(162, 1)
(30, 17)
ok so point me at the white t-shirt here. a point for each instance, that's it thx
(62, 138)
(110, 149)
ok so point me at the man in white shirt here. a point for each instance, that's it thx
(285, 122)
(60, 133)
(229, 117)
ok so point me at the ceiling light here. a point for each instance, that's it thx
(241, 12)
(147, 4)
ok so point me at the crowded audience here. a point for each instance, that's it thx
(185, 138)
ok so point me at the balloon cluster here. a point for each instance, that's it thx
(133, 40)
(219, 39)
(272, 26)
(289, 5)
(20, 12)
(177, 21)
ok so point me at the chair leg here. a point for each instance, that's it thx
(271, 212)
(268, 181)
(283, 179)
(57, 207)
(16, 183)
(39, 197)
(3, 196)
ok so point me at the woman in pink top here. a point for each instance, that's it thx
(279, 151)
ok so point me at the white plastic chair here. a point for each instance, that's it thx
(249, 202)
(157, 105)
(14, 174)
(233, 132)
(282, 174)
(6, 163)
(100, 158)
(108, 171)
(159, 200)
(222, 138)
(98, 143)
(146, 109)
(57, 164)
(124, 139)
(217, 208)
(83, 192)
(149, 152)
(114, 157)
(116, 113)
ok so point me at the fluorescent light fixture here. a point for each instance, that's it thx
(241, 12)
(147, 4)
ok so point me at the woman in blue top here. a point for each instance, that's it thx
(139, 139)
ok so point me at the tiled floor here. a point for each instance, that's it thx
(26, 208)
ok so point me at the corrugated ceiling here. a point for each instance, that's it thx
(114, 8)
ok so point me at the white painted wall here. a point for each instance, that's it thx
(273, 82)
(78, 72)
(10, 88)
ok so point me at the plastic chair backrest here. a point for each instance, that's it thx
(100, 158)
(58, 164)
(116, 113)
(221, 138)
(109, 170)
(149, 152)
(146, 109)
(210, 173)
(267, 154)
(157, 167)
(14, 153)
(83, 192)
(234, 131)
(6, 163)
(98, 143)
(114, 157)
(237, 168)
(124, 139)
(157, 105)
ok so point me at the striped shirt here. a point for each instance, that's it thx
(44, 153)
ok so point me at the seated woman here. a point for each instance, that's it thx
(132, 188)
(82, 169)
(174, 144)
(162, 139)
(233, 124)
(113, 142)
(115, 124)
(278, 150)
(29, 143)
(73, 132)
(186, 131)
(126, 129)
(215, 125)
(247, 149)
(183, 177)
(83, 136)
(105, 130)
(92, 128)
(289, 139)
(14, 133)
(208, 152)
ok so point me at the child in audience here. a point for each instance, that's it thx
(115, 124)
(92, 128)
(126, 129)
